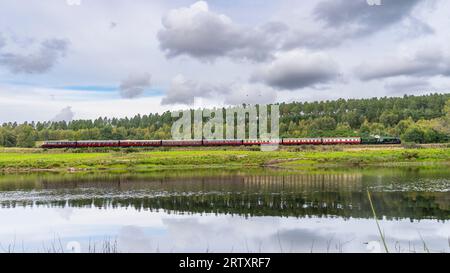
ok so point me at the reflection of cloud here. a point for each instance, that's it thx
(223, 233)
(145, 231)
(65, 212)
(293, 239)
(238, 234)
(133, 239)
(2, 41)
(189, 232)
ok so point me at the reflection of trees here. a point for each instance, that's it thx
(235, 182)
(300, 195)
(392, 205)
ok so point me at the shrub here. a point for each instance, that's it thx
(411, 145)
(410, 155)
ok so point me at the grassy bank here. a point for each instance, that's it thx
(35, 159)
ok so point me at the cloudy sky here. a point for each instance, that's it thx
(65, 59)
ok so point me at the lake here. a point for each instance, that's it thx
(254, 210)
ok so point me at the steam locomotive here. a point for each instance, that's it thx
(221, 142)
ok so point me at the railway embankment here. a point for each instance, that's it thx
(18, 160)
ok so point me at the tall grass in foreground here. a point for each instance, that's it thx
(112, 246)
(383, 239)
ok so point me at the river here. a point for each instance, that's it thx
(254, 210)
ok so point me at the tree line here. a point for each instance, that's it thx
(419, 119)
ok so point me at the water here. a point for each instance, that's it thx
(227, 211)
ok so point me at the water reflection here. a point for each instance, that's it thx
(246, 211)
(417, 196)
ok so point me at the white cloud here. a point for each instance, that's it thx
(43, 60)
(188, 92)
(134, 86)
(362, 17)
(251, 94)
(198, 32)
(66, 114)
(424, 62)
(184, 91)
(298, 69)
(405, 85)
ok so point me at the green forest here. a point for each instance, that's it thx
(418, 119)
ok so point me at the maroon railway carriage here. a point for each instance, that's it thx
(59, 144)
(222, 142)
(140, 143)
(179, 143)
(97, 143)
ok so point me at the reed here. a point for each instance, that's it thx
(383, 239)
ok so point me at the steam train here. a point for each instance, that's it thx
(221, 142)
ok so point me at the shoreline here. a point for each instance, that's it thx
(13, 160)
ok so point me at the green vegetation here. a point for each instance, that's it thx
(419, 119)
(186, 159)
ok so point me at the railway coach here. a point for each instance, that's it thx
(341, 140)
(182, 143)
(222, 142)
(140, 143)
(59, 144)
(251, 142)
(97, 143)
(302, 141)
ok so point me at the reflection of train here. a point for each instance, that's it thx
(220, 142)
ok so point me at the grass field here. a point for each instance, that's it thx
(37, 159)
